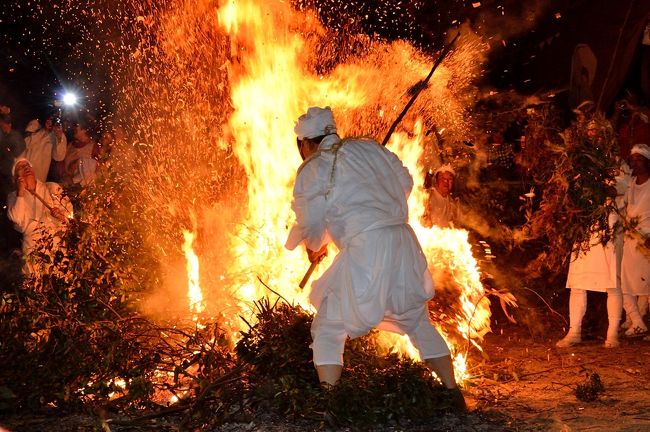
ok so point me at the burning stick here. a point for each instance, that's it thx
(418, 87)
(57, 213)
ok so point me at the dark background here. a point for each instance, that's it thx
(48, 47)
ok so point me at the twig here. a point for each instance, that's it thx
(273, 291)
(547, 305)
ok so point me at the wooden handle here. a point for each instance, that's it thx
(40, 198)
(304, 280)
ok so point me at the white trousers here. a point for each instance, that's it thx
(578, 307)
(635, 308)
(329, 339)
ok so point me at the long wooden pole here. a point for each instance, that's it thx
(418, 87)
(49, 207)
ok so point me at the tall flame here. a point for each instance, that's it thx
(275, 71)
(194, 294)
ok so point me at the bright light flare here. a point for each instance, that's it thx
(70, 99)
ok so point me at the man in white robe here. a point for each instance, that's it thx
(635, 268)
(442, 209)
(37, 209)
(354, 193)
(44, 144)
(598, 269)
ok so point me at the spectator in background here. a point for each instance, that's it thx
(79, 164)
(12, 145)
(38, 209)
(44, 144)
(442, 208)
(632, 123)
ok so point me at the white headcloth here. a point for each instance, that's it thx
(316, 122)
(16, 162)
(641, 149)
(445, 168)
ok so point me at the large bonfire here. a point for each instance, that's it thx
(189, 222)
(227, 81)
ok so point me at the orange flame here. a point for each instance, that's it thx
(272, 79)
(271, 87)
(194, 293)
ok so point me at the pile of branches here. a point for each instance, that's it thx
(74, 339)
(375, 387)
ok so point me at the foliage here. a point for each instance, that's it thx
(591, 389)
(374, 388)
(578, 194)
(73, 332)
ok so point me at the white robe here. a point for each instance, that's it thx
(380, 276)
(32, 218)
(441, 211)
(76, 157)
(594, 270)
(40, 148)
(635, 269)
(599, 269)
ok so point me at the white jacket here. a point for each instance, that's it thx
(356, 196)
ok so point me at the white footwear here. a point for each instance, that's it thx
(612, 343)
(568, 340)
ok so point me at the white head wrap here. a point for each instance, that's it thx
(33, 126)
(445, 168)
(641, 149)
(16, 162)
(316, 122)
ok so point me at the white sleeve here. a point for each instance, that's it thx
(400, 170)
(18, 212)
(309, 204)
(58, 199)
(59, 148)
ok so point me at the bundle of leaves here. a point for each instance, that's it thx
(376, 387)
(578, 193)
(591, 389)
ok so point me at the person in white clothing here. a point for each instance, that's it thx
(44, 144)
(354, 192)
(635, 268)
(598, 269)
(442, 209)
(80, 163)
(37, 209)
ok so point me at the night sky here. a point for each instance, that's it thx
(52, 46)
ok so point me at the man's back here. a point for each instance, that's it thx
(364, 186)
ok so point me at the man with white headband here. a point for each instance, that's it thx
(353, 192)
(37, 209)
(635, 268)
(442, 209)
